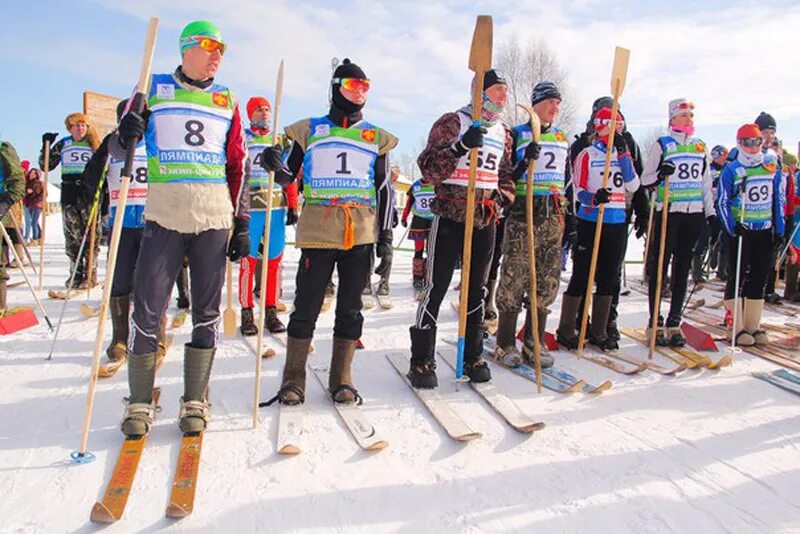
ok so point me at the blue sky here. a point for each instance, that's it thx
(729, 57)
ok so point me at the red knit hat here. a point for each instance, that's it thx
(256, 102)
(26, 165)
(605, 114)
(748, 131)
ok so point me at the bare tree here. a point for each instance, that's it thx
(524, 67)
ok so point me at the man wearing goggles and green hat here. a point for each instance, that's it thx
(196, 154)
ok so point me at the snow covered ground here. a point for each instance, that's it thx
(703, 452)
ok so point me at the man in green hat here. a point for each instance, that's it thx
(197, 199)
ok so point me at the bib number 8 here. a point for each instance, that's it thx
(140, 175)
(687, 170)
(194, 136)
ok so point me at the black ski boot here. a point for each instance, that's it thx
(475, 365)
(248, 327)
(422, 372)
(601, 307)
(565, 334)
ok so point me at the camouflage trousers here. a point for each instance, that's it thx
(515, 273)
(74, 220)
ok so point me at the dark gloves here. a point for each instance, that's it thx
(532, 151)
(404, 222)
(5, 203)
(240, 239)
(271, 158)
(49, 137)
(131, 128)
(602, 196)
(640, 225)
(384, 251)
(620, 144)
(291, 217)
(665, 170)
(739, 229)
(472, 138)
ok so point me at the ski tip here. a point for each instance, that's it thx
(530, 428)
(468, 436)
(289, 450)
(269, 353)
(176, 511)
(378, 445)
(82, 457)
(101, 514)
(605, 386)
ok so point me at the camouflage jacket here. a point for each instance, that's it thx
(437, 163)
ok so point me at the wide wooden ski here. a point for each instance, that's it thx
(508, 410)
(436, 403)
(184, 485)
(354, 418)
(638, 334)
(290, 429)
(112, 505)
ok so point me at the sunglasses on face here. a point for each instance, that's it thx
(357, 85)
(754, 141)
(210, 45)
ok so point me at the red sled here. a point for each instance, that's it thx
(18, 320)
(698, 339)
(550, 342)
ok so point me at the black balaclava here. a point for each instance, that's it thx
(339, 104)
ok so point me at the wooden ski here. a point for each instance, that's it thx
(354, 418)
(436, 403)
(112, 505)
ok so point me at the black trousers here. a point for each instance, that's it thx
(445, 246)
(612, 247)
(313, 273)
(756, 263)
(498, 248)
(128, 252)
(683, 229)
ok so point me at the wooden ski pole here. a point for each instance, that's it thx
(25, 249)
(619, 74)
(659, 273)
(45, 211)
(536, 129)
(138, 104)
(262, 301)
(229, 315)
(480, 60)
(13, 251)
(92, 222)
(647, 239)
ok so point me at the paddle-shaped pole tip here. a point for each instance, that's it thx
(480, 54)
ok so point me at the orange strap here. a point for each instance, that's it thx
(349, 226)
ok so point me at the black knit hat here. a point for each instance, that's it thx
(543, 91)
(765, 121)
(492, 77)
(348, 69)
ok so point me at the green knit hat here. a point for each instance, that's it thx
(194, 31)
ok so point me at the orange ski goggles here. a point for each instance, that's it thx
(357, 85)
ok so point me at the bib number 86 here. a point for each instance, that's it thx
(689, 170)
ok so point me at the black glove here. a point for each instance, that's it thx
(472, 138)
(131, 128)
(384, 251)
(665, 170)
(49, 137)
(640, 225)
(620, 144)
(739, 229)
(240, 240)
(532, 151)
(271, 158)
(404, 222)
(5, 203)
(291, 217)
(602, 196)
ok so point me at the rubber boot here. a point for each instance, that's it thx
(489, 310)
(506, 348)
(120, 308)
(293, 385)
(248, 326)
(140, 411)
(422, 372)
(475, 365)
(197, 363)
(598, 336)
(528, 348)
(752, 321)
(570, 306)
(340, 380)
(790, 285)
(271, 321)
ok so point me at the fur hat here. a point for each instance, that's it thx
(91, 134)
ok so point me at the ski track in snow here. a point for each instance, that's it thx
(706, 451)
